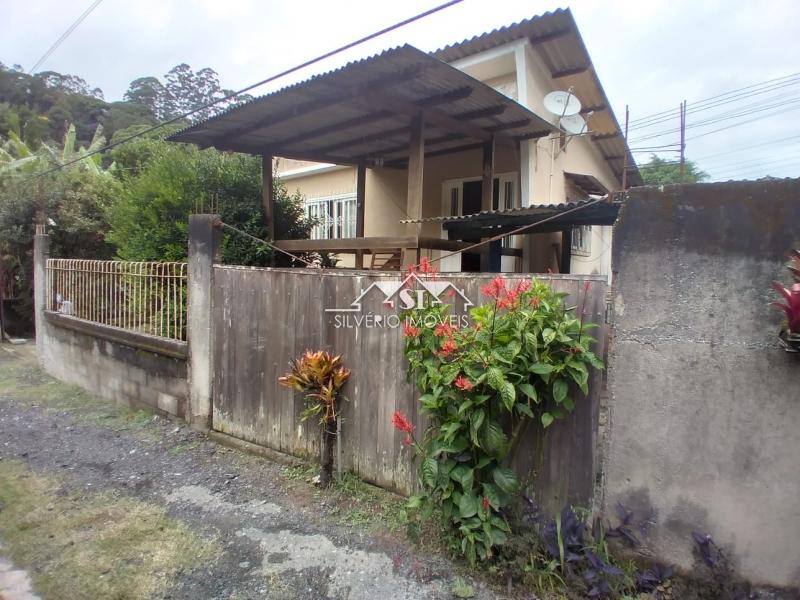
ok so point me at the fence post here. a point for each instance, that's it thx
(204, 244)
(41, 248)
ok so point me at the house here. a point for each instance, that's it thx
(408, 154)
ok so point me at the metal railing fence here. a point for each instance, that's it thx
(145, 297)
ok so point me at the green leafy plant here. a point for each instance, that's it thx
(482, 386)
(321, 376)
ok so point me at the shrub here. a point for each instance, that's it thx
(482, 386)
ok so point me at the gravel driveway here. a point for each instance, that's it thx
(277, 536)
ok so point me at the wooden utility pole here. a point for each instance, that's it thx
(683, 140)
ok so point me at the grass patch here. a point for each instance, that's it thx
(27, 385)
(98, 545)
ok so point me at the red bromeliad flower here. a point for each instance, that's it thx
(463, 383)
(791, 306)
(495, 289)
(409, 330)
(486, 503)
(443, 329)
(401, 423)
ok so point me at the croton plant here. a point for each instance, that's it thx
(482, 386)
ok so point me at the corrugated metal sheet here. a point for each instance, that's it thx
(556, 39)
(360, 112)
(539, 209)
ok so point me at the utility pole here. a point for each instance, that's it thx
(683, 140)
(625, 154)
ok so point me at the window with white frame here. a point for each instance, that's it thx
(582, 240)
(335, 216)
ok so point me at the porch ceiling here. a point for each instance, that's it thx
(361, 113)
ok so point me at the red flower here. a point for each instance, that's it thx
(425, 266)
(448, 347)
(409, 330)
(495, 288)
(586, 286)
(407, 441)
(443, 329)
(535, 301)
(463, 383)
(522, 286)
(410, 269)
(401, 423)
(486, 503)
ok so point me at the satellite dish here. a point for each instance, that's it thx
(562, 104)
(574, 124)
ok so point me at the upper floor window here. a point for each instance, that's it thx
(335, 216)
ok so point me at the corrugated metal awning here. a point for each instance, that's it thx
(554, 36)
(561, 216)
(361, 113)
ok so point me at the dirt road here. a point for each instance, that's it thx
(97, 500)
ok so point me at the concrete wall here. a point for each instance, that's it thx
(112, 370)
(704, 422)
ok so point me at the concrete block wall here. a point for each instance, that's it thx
(112, 370)
(704, 407)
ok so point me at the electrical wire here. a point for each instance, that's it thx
(674, 112)
(232, 95)
(65, 35)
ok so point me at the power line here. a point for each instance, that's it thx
(65, 35)
(699, 135)
(741, 112)
(674, 111)
(307, 63)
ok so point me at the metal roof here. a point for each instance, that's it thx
(562, 216)
(361, 113)
(554, 36)
(559, 217)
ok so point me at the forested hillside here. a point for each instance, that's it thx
(131, 201)
(39, 108)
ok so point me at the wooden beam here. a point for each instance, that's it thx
(361, 186)
(566, 251)
(569, 72)
(481, 113)
(400, 162)
(416, 163)
(507, 126)
(303, 109)
(597, 108)
(340, 126)
(430, 116)
(282, 152)
(549, 37)
(487, 182)
(606, 136)
(268, 195)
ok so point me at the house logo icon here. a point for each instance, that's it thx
(405, 294)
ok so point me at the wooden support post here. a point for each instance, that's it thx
(361, 185)
(416, 161)
(487, 188)
(566, 251)
(268, 195)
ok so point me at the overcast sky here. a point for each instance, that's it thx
(649, 54)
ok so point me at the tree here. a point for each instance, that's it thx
(662, 172)
(163, 183)
(182, 91)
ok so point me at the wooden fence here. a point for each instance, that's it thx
(261, 318)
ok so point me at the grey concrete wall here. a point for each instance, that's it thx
(115, 371)
(704, 409)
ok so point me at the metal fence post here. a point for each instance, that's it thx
(204, 245)
(41, 248)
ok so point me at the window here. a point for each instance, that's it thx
(335, 216)
(582, 240)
